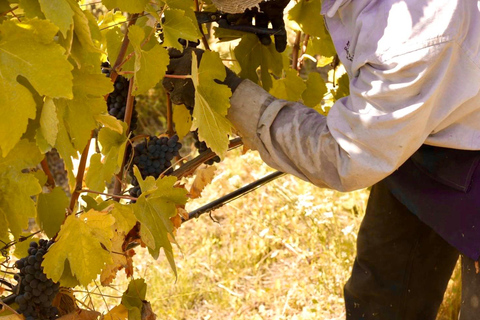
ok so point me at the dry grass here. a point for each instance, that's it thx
(281, 252)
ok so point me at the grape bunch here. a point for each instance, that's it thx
(117, 100)
(152, 157)
(36, 290)
(202, 147)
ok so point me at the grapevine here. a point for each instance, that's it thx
(60, 113)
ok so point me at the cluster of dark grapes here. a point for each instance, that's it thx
(36, 291)
(152, 157)
(202, 147)
(117, 100)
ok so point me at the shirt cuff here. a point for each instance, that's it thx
(248, 103)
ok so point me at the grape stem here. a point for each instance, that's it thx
(123, 49)
(204, 39)
(176, 76)
(296, 50)
(80, 173)
(170, 132)
(117, 189)
(6, 283)
(46, 169)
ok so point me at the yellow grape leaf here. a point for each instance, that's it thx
(126, 5)
(51, 209)
(90, 234)
(119, 260)
(28, 50)
(316, 89)
(178, 25)
(120, 312)
(49, 121)
(182, 120)
(59, 12)
(203, 177)
(288, 88)
(124, 217)
(212, 101)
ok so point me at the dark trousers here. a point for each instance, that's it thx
(402, 266)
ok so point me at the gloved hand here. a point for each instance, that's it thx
(270, 11)
(182, 91)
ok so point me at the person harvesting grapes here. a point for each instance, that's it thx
(410, 128)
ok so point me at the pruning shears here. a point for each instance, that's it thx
(231, 21)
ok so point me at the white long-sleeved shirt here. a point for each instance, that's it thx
(414, 69)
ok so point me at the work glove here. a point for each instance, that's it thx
(270, 11)
(182, 91)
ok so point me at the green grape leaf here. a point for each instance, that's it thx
(150, 66)
(145, 185)
(51, 209)
(252, 54)
(25, 155)
(4, 6)
(189, 8)
(306, 13)
(32, 8)
(315, 91)
(182, 119)
(322, 47)
(59, 12)
(212, 101)
(114, 39)
(63, 144)
(288, 88)
(153, 210)
(178, 25)
(90, 233)
(101, 170)
(110, 122)
(130, 6)
(133, 298)
(342, 87)
(25, 52)
(49, 121)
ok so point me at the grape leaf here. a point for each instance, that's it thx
(212, 101)
(125, 219)
(114, 39)
(110, 122)
(323, 47)
(16, 188)
(82, 27)
(288, 88)
(182, 120)
(315, 91)
(251, 54)
(150, 66)
(153, 209)
(31, 8)
(21, 247)
(4, 6)
(133, 298)
(178, 25)
(113, 148)
(130, 6)
(306, 13)
(119, 312)
(23, 52)
(87, 104)
(59, 12)
(49, 121)
(342, 87)
(51, 209)
(203, 177)
(119, 260)
(89, 233)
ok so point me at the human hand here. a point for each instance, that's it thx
(181, 90)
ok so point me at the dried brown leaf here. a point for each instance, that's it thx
(65, 302)
(147, 313)
(203, 177)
